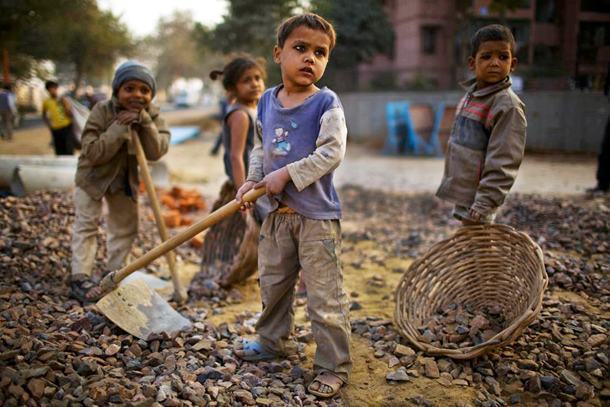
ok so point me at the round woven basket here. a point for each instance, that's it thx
(479, 266)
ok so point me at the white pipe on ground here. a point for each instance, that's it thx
(8, 163)
(27, 174)
(29, 178)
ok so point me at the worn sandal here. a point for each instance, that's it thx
(253, 351)
(327, 379)
(85, 290)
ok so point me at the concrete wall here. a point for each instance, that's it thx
(558, 121)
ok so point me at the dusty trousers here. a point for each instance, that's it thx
(289, 243)
(122, 223)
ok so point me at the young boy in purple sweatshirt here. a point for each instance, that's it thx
(302, 136)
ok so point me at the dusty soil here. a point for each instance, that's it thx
(368, 386)
(191, 164)
(382, 233)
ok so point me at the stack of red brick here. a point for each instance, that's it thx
(179, 202)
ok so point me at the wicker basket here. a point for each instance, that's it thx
(478, 266)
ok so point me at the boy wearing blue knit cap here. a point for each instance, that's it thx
(108, 170)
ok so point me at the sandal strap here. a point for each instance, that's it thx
(82, 288)
(320, 379)
(84, 283)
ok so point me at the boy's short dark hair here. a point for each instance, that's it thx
(50, 84)
(493, 32)
(311, 20)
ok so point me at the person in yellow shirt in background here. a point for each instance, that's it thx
(56, 113)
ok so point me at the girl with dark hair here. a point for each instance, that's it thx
(230, 247)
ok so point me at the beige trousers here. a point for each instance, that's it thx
(288, 243)
(122, 222)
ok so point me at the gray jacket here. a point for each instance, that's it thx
(485, 148)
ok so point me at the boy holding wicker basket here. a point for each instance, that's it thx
(487, 141)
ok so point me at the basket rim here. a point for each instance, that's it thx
(506, 335)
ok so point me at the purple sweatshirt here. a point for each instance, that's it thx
(308, 139)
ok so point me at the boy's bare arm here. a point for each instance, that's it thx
(503, 158)
(329, 152)
(45, 119)
(255, 166)
(100, 144)
(154, 135)
(238, 123)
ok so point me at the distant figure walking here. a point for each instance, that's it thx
(8, 111)
(56, 113)
(224, 105)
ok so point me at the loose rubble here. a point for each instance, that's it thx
(456, 326)
(54, 351)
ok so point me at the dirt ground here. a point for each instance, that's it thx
(368, 386)
(191, 164)
(366, 258)
(546, 174)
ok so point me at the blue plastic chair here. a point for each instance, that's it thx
(422, 146)
(402, 137)
(399, 139)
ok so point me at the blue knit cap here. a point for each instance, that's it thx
(131, 70)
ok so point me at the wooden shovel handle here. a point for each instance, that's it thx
(113, 278)
(179, 293)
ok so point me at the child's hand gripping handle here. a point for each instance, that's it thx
(112, 279)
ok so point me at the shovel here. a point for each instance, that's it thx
(135, 307)
(180, 295)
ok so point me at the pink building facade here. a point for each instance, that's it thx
(561, 43)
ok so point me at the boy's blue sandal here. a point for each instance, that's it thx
(254, 351)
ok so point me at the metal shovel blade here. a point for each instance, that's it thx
(164, 288)
(142, 312)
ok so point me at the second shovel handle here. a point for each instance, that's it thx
(179, 292)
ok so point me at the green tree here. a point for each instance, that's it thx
(180, 48)
(69, 32)
(176, 49)
(210, 58)
(94, 43)
(250, 26)
(22, 39)
(363, 30)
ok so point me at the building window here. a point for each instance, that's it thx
(596, 6)
(545, 55)
(592, 36)
(545, 11)
(429, 36)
